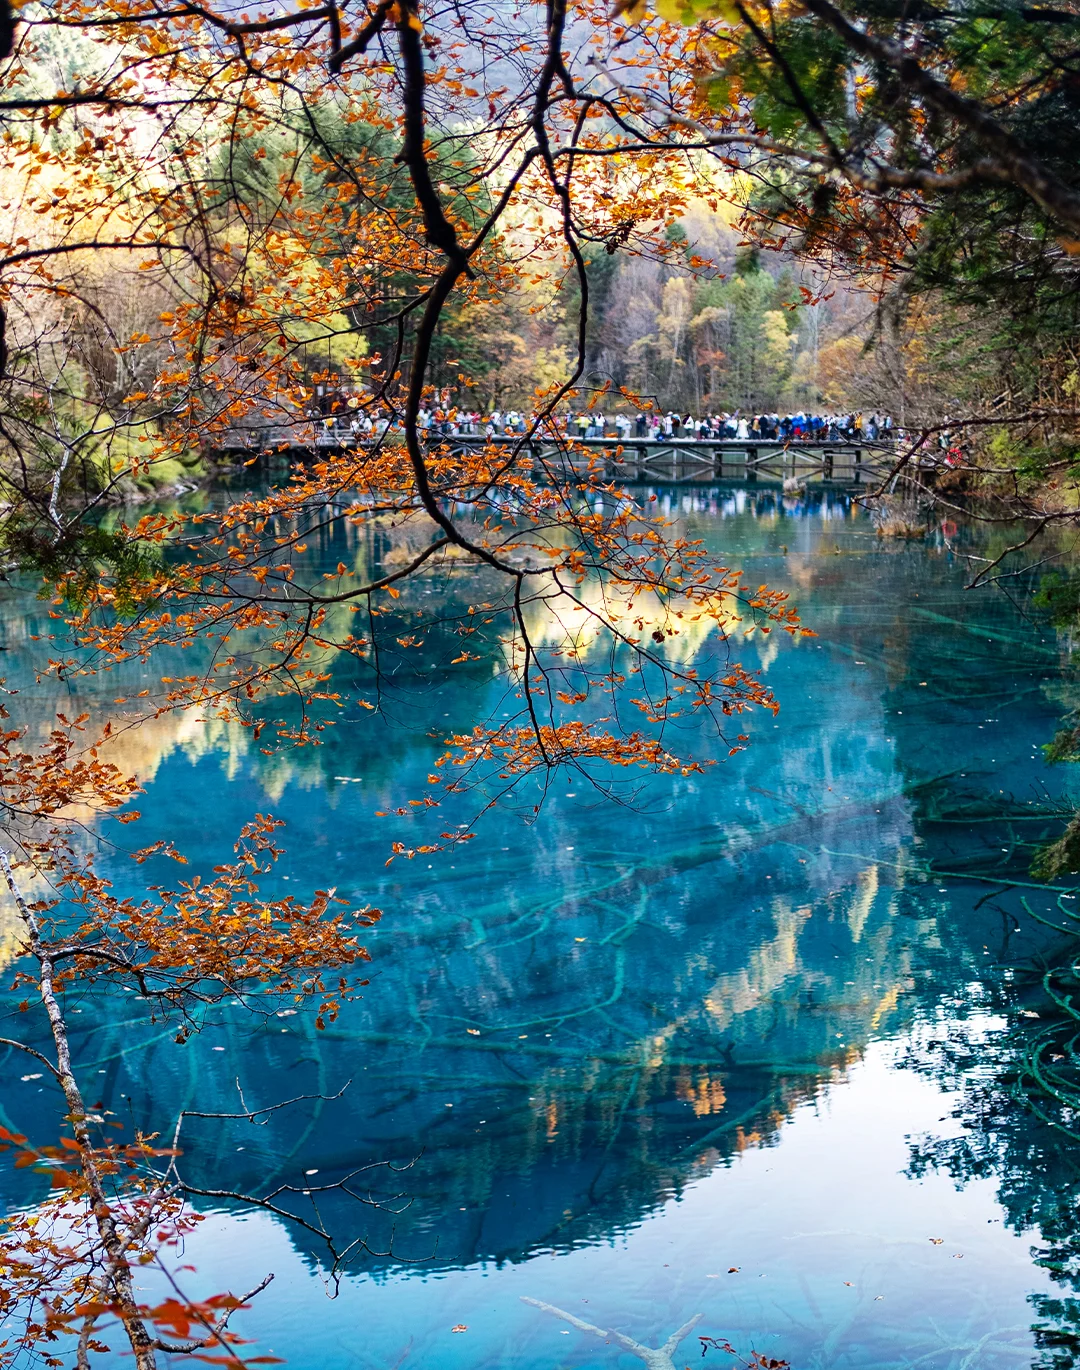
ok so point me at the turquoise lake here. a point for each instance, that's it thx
(737, 1044)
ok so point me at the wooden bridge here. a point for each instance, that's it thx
(656, 461)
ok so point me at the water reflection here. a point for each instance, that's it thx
(581, 1024)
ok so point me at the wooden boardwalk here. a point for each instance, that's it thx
(666, 460)
(661, 461)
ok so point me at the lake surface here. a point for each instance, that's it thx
(739, 1045)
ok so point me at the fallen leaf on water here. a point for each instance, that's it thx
(473, 1032)
(958, 1255)
(459, 1327)
(848, 1283)
(936, 1241)
(733, 1269)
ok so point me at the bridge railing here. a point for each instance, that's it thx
(826, 458)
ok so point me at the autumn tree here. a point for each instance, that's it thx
(308, 208)
(119, 1207)
(209, 217)
(928, 152)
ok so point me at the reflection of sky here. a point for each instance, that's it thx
(621, 1030)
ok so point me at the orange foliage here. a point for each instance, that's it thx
(252, 304)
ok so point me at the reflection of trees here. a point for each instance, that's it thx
(143, 738)
(976, 720)
(1017, 1073)
(993, 1035)
(420, 691)
(1034, 1165)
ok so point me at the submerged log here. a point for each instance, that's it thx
(656, 1358)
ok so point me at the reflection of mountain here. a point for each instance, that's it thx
(572, 1018)
(563, 622)
(557, 1089)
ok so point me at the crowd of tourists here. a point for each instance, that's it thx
(341, 409)
(717, 427)
(672, 426)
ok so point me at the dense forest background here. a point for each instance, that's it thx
(703, 319)
(717, 324)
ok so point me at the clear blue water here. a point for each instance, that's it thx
(717, 1051)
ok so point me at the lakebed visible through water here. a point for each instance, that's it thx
(742, 1047)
